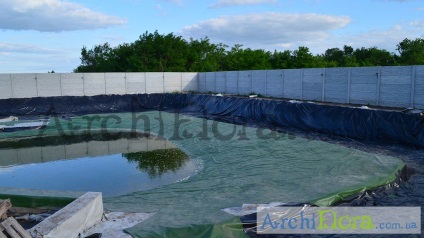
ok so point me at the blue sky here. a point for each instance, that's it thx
(42, 35)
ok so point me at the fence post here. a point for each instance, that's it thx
(11, 84)
(215, 82)
(349, 83)
(283, 81)
(36, 84)
(251, 81)
(413, 81)
(266, 83)
(104, 79)
(83, 84)
(125, 81)
(324, 74)
(163, 81)
(301, 84)
(198, 81)
(225, 82)
(238, 83)
(145, 82)
(60, 84)
(378, 85)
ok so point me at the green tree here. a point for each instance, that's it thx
(302, 58)
(204, 56)
(246, 59)
(96, 59)
(335, 57)
(281, 60)
(161, 53)
(411, 51)
(154, 52)
(373, 57)
(125, 59)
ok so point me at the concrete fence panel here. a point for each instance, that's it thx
(259, 81)
(115, 83)
(6, 86)
(395, 86)
(49, 85)
(275, 83)
(155, 83)
(232, 82)
(293, 80)
(173, 82)
(72, 84)
(221, 82)
(313, 84)
(189, 82)
(24, 85)
(135, 83)
(364, 85)
(245, 82)
(202, 83)
(336, 85)
(94, 84)
(210, 82)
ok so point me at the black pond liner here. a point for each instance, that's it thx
(356, 123)
(388, 132)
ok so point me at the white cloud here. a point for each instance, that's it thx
(52, 16)
(37, 63)
(267, 30)
(226, 3)
(7, 48)
(382, 38)
(419, 24)
(21, 58)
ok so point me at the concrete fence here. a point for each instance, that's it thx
(90, 84)
(381, 86)
(401, 86)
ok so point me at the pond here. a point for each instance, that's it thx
(228, 165)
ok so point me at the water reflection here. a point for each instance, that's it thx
(157, 162)
(114, 164)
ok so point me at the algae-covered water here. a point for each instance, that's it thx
(233, 165)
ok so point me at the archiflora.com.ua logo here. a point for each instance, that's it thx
(338, 220)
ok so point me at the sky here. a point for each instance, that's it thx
(37, 36)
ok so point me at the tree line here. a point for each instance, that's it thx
(154, 52)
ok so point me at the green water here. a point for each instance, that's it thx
(236, 165)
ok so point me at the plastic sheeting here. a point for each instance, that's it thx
(357, 123)
(23, 126)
